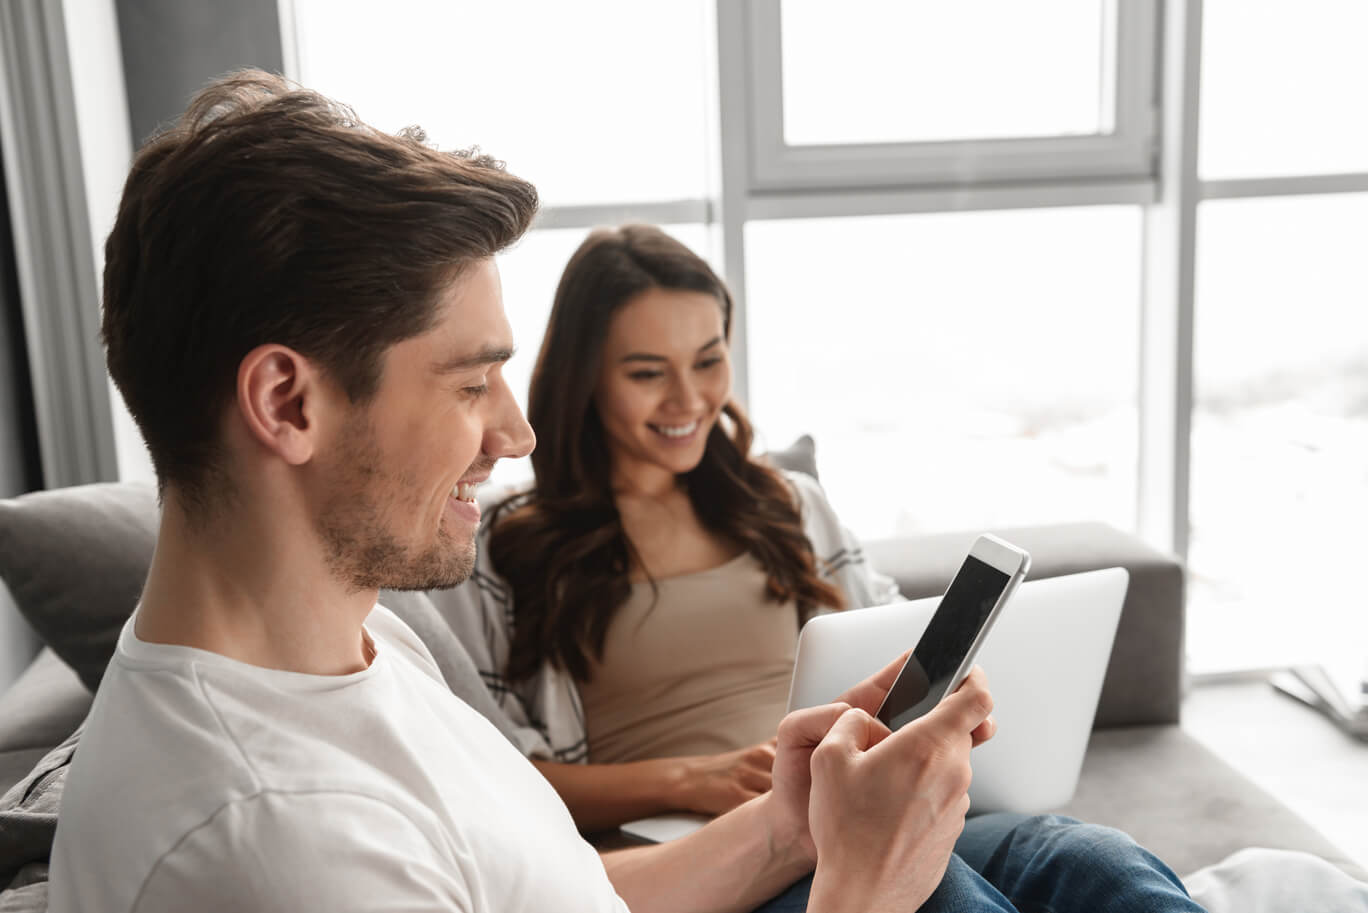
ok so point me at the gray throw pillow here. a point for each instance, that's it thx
(800, 456)
(75, 560)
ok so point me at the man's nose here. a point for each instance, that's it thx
(509, 436)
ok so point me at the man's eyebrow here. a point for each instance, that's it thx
(491, 355)
(642, 356)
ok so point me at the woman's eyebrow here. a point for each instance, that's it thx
(646, 356)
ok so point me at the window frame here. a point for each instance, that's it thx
(1125, 155)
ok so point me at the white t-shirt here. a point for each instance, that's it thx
(206, 784)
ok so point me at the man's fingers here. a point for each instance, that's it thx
(968, 707)
(855, 731)
(805, 728)
(869, 694)
(985, 731)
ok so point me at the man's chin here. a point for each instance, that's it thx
(438, 573)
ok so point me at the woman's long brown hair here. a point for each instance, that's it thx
(562, 547)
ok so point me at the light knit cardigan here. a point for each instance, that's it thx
(545, 711)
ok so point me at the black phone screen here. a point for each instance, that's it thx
(928, 671)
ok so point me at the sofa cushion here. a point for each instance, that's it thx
(75, 560)
(1174, 795)
(41, 707)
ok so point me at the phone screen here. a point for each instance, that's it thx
(927, 674)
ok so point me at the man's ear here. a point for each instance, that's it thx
(280, 395)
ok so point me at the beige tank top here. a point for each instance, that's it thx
(705, 669)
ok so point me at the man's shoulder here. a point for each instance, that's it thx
(153, 764)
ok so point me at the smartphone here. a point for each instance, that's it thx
(945, 653)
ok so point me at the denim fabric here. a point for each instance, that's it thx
(1043, 864)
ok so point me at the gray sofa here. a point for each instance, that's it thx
(75, 559)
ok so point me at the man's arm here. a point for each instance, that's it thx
(900, 798)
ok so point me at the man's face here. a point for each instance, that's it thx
(400, 511)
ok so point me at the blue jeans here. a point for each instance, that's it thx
(1043, 864)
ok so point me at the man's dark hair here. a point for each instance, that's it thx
(270, 214)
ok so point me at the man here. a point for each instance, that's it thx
(304, 317)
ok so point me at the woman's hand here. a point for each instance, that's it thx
(713, 784)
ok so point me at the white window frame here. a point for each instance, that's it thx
(1124, 155)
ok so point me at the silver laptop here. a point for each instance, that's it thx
(1045, 661)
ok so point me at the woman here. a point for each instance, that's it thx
(639, 607)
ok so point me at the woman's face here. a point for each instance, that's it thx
(665, 375)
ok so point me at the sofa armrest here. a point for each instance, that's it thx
(1143, 684)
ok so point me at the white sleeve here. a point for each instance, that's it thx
(327, 850)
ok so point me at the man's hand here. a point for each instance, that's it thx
(713, 784)
(801, 731)
(885, 809)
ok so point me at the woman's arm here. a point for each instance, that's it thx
(603, 796)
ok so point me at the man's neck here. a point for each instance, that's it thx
(254, 588)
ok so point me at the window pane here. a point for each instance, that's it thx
(1284, 85)
(530, 271)
(601, 101)
(958, 370)
(907, 72)
(1279, 432)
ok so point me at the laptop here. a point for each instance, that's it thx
(1045, 659)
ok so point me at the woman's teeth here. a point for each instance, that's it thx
(464, 491)
(677, 430)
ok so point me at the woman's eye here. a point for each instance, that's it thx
(709, 362)
(645, 375)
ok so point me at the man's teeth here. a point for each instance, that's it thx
(677, 430)
(464, 491)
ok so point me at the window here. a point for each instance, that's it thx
(1284, 85)
(1279, 423)
(1279, 432)
(619, 114)
(919, 72)
(958, 370)
(888, 94)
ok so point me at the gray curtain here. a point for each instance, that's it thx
(19, 470)
(173, 47)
